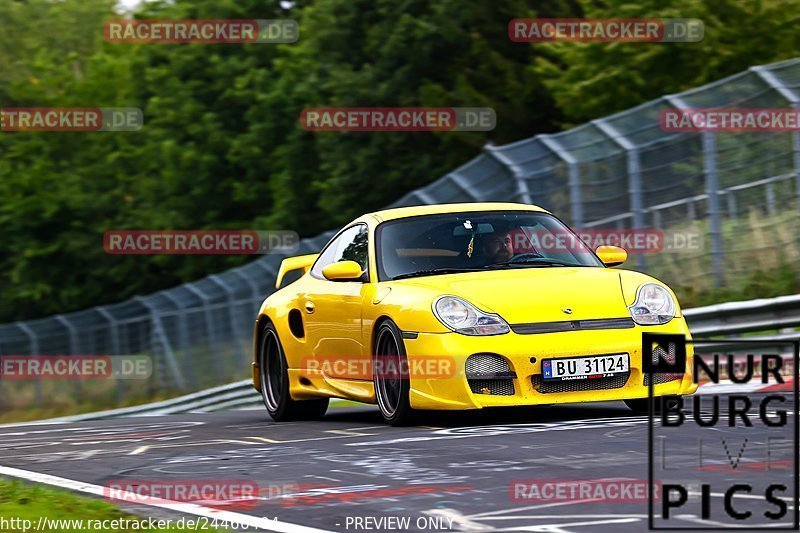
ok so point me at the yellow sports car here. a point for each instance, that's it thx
(460, 306)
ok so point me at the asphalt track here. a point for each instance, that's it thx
(454, 472)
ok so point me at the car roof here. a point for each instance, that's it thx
(417, 210)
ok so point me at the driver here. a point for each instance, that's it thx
(496, 247)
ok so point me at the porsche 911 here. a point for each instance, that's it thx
(460, 306)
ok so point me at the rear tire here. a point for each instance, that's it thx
(274, 377)
(391, 388)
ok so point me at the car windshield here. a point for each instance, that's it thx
(477, 241)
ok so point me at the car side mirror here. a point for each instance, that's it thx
(343, 271)
(611, 255)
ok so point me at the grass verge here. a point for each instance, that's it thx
(21, 502)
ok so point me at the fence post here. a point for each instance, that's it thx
(709, 141)
(255, 294)
(522, 186)
(691, 212)
(33, 340)
(731, 200)
(212, 331)
(255, 299)
(709, 147)
(789, 95)
(656, 218)
(183, 335)
(234, 337)
(770, 193)
(574, 178)
(575, 198)
(115, 346)
(158, 331)
(73, 344)
(634, 168)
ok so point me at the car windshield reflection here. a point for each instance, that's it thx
(477, 241)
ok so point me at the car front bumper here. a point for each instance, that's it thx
(524, 353)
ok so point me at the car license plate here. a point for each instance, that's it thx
(574, 368)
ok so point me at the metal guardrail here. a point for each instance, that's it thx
(237, 394)
(745, 317)
(739, 191)
(711, 321)
(733, 319)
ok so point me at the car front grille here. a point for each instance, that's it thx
(486, 363)
(551, 387)
(659, 378)
(572, 325)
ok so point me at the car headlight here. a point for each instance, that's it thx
(463, 317)
(654, 305)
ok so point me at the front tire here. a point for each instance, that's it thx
(390, 375)
(274, 377)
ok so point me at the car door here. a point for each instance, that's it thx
(332, 309)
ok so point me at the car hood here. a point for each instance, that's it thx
(527, 295)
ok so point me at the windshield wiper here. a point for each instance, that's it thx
(532, 261)
(435, 271)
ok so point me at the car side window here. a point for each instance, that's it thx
(350, 245)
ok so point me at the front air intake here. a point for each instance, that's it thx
(552, 387)
(489, 373)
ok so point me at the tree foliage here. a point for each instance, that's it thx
(589, 80)
(222, 146)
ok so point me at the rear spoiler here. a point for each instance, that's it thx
(301, 262)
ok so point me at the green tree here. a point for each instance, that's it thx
(589, 80)
(366, 53)
(222, 146)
